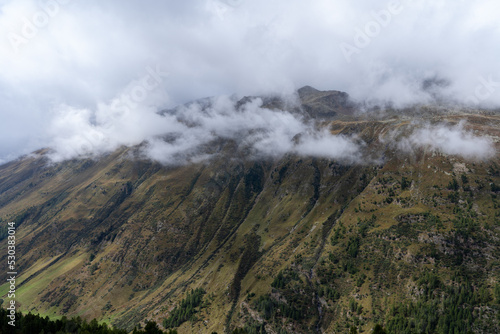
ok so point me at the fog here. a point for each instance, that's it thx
(187, 133)
(450, 140)
(85, 77)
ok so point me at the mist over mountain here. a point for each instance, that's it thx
(268, 127)
(262, 214)
(236, 166)
(68, 59)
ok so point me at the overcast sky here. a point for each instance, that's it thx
(106, 66)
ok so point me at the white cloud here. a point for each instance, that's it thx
(259, 131)
(90, 51)
(324, 145)
(188, 133)
(450, 140)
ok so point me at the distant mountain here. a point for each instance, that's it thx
(407, 238)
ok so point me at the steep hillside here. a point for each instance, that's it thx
(407, 239)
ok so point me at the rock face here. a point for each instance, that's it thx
(298, 244)
(325, 104)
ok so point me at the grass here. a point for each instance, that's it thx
(29, 292)
(165, 212)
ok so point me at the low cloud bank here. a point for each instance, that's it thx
(196, 132)
(187, 133)
(401, 52)
(450, 140)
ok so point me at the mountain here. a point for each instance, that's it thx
(325, 104)
(406, 238)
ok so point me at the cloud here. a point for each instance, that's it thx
(450, 140)
(86, 54)
(189, 133)
(324, 145)
(77, 133)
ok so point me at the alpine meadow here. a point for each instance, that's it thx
(249, 167)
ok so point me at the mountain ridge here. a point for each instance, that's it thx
(292, 243)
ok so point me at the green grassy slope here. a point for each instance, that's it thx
(295, 245)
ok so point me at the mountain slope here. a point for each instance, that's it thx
(293, 243)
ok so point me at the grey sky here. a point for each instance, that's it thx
(95, 59)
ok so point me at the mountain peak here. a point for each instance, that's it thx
(307, 90)
(324, 104)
